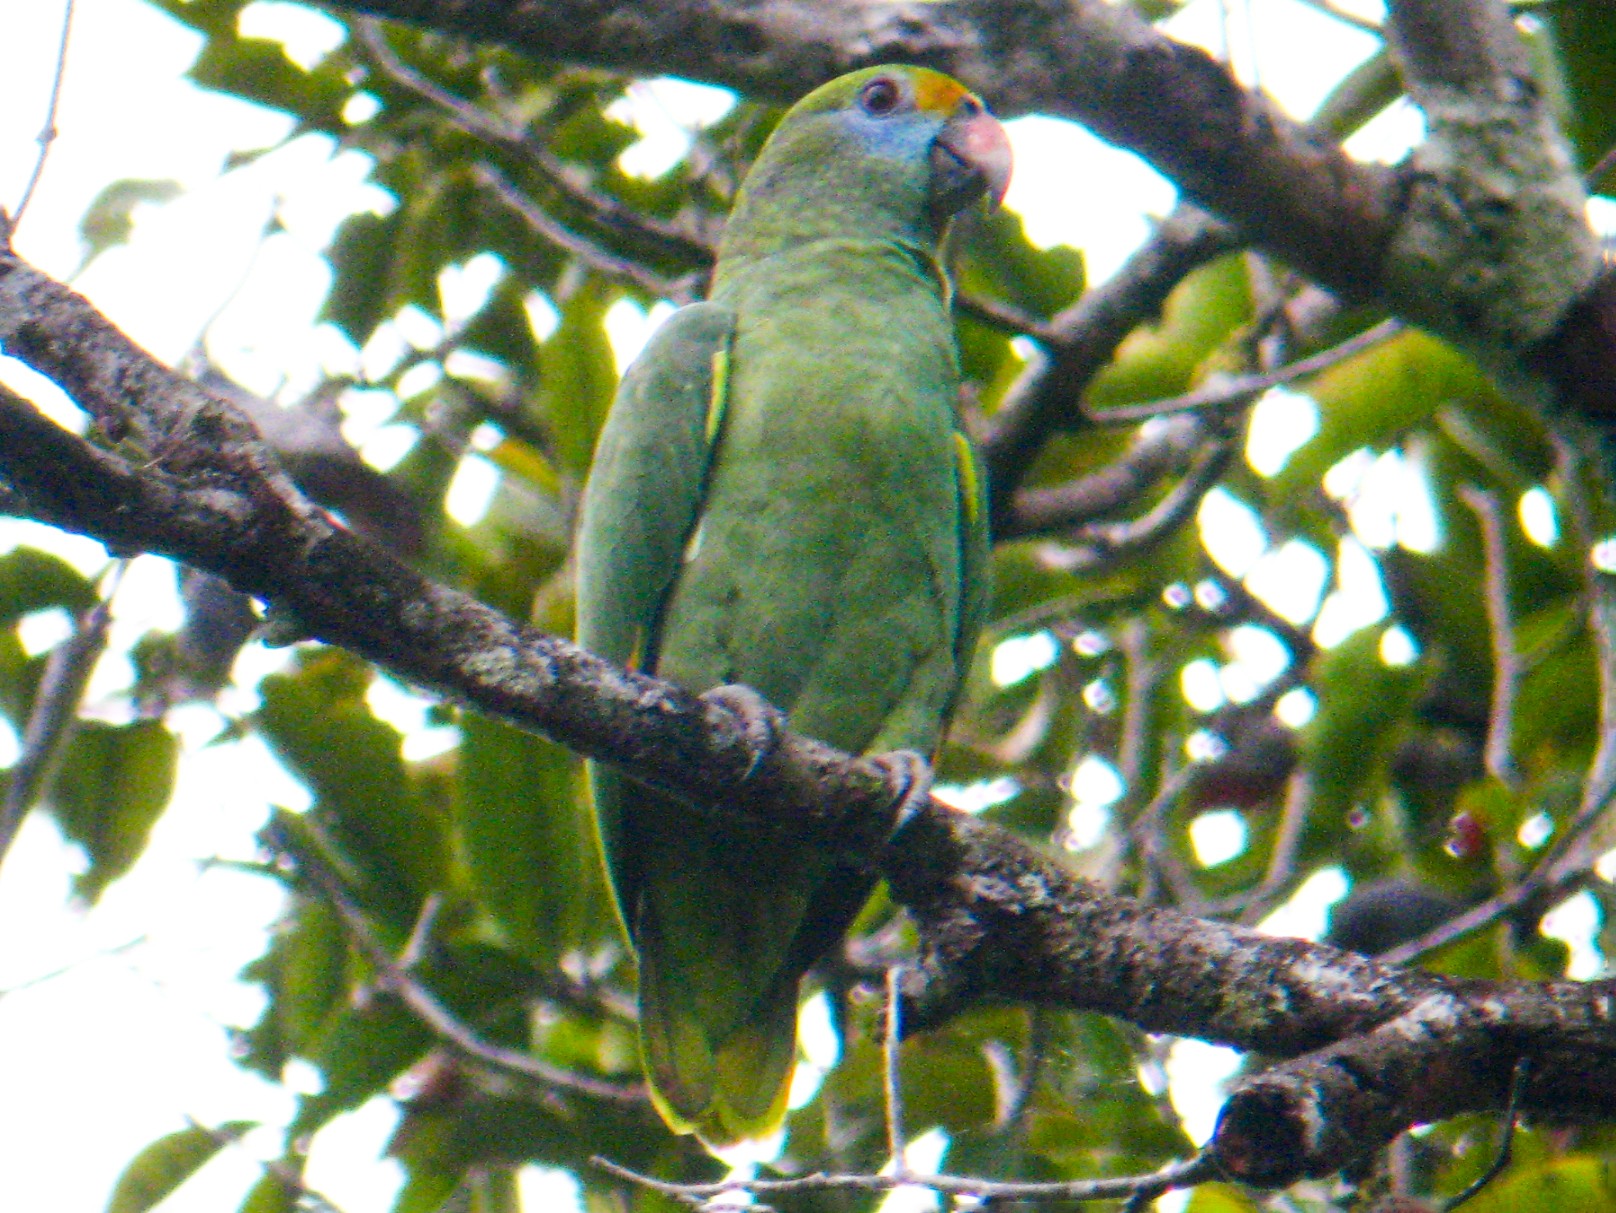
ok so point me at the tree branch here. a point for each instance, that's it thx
(395, 976)
(1176, 1175)
(1493, 246)
(1082, 339)
(652, 236)
(1110, 490)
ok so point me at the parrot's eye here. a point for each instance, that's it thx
(880, 96)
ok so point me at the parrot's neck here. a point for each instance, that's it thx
(776, 210)
(817, 269)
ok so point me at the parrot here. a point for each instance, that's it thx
(783, 499)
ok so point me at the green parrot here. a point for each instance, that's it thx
(783, 497)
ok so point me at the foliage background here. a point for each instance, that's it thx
(1091, 695)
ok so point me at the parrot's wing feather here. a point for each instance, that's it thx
(976, 556)
(642, 503)
(645, 487)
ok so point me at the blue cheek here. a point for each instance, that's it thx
(903, 137)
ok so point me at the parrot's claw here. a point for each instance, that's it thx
(760, 722)
(910, 773)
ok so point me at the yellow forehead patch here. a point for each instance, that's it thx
(938, 94)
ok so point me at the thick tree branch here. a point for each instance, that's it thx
(210, 495)
(1378, 1049)
(1493, 246)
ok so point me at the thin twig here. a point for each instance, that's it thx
(893, 1087)
(1507, 671)
(425, 1005)
(415, 948)
(1099, 545)
(56, 700)
(1506, 1138)
(48, 133)
(1287, 844)
(1244, 388)
(1164, 450)
(608, 212)
(1140, 832)
(603, 261)
(1183, 1174)
(1601, 166)
(996, 313)
(1032, 1071)
(39, 979)
(1598, 794)
(1343, 16)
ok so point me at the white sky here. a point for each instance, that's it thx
(121, 1046)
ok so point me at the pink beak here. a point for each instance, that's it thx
(979, 150)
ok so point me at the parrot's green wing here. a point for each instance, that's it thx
(645, 486)
(976, 557)
(709, 1073)
(643, 500)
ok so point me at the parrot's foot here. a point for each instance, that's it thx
(910, 773)
(760, 722)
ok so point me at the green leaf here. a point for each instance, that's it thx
(1363, 706)
(168, 1162)
(361, 260)
(111, 217)
(1220, 1198)
(317, 722)
(361, 1051)
(579, 373)
(427, 1190)
(111, 784)
(1372, 399)
(998, 260)
(31, 580)
(304, 973)
(270, 1195)
(1585, 37)
(525, 837)
(257, 69)
(1577, 1184)
(1165, 358)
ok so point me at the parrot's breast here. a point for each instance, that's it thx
(825, 571)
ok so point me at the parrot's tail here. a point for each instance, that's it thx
(726, 1087)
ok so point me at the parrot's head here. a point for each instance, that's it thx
(890, 150)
